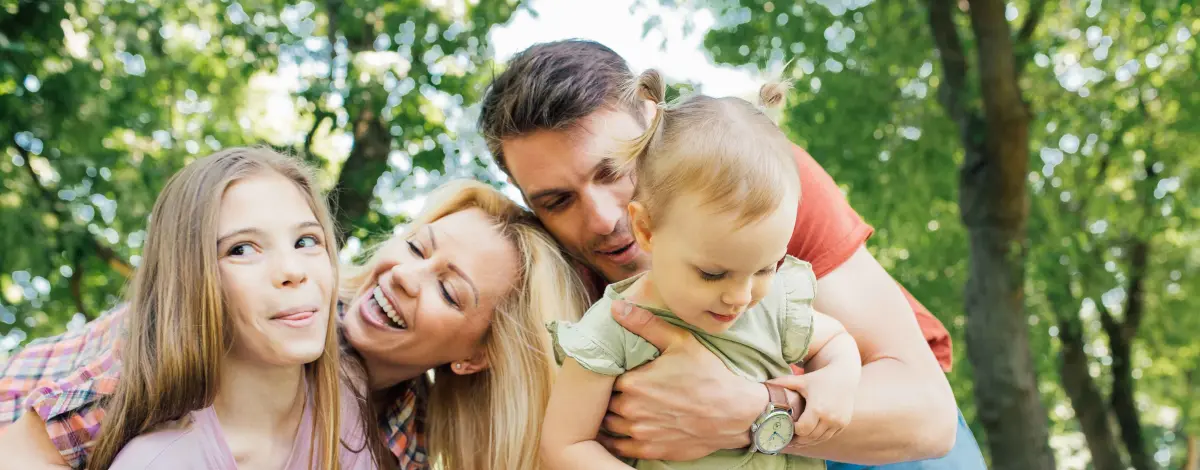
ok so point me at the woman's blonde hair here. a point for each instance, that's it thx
(492, 420)
(724, 149)
(178, 325)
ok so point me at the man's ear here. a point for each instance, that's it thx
(639, 218)
(478, 362)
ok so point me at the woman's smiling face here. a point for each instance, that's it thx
(430, 294)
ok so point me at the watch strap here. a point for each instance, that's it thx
(778, 398)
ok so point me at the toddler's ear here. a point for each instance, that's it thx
(639, 219)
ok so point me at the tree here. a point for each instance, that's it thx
(100, 102)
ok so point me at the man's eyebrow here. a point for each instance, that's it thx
(545, 193)
(605, 163)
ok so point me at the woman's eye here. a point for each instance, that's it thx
(446, 295)
(416, 251)
(307, 241)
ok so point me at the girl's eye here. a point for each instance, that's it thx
(707, 276)
(416, 251)
(241, 249)
(307, 241)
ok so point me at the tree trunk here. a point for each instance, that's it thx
(994, 207)
(1120, 340)
(1192, 460)
(356, 182)
(1089, 404)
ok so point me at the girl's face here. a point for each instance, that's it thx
(702, 268)
(276, 274)
(430, 295)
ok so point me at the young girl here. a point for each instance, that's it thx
(714, 206)
(230, 359)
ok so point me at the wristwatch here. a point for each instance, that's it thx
(773, 429)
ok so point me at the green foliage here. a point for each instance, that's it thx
(101, 101)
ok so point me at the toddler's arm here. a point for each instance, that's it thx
(832, 368)
(577, 405)
(831, 345)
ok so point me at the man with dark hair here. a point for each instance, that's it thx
(555, 120)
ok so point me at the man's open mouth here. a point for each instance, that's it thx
(617, 251)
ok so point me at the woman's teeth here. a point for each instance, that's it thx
(387, 307)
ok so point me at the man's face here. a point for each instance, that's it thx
(570, 180)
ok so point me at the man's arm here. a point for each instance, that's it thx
(25, 444)
(904, 408)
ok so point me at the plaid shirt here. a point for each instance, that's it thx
(63, 379)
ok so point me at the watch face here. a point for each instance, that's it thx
(775, 433)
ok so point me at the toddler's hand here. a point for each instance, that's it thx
(829, 401)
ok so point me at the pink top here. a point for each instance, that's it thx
(196, 442)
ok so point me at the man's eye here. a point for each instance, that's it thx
(607, 175)
(556, 204)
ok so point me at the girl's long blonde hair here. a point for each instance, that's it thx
(724, 149)
(492, 420)
(178, 325)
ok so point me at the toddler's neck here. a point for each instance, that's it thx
(644, 292)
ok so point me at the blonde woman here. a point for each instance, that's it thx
(471, 279)
(464, 292)
(230, 359)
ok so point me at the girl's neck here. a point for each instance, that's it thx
(259, 407)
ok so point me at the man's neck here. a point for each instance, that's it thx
(259, 408)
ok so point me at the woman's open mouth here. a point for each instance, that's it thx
(380, 310)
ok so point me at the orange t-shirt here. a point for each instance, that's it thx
(828, 231)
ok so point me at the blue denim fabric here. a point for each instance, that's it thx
(964, 456)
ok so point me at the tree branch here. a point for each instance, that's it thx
(106, 253)
(331, 13)
(1036, 8)
(319, 116)
(1107, 321)
(1135, 304)
(954, 61)
(76, 284)
(1024, 48)
(360, 172)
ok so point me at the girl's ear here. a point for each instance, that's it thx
(640, 219)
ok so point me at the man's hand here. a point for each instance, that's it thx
(683, 405)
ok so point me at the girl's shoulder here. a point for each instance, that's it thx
(191, 442)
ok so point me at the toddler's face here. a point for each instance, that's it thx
(708, 272)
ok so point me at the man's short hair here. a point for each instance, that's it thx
(551, 86)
